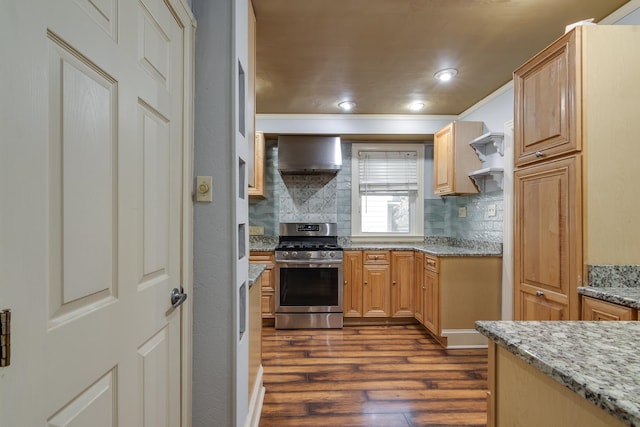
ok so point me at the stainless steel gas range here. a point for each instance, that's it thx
(308, 276)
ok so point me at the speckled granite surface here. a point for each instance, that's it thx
(614, 276)
(628, 297)
(255, 270)
(599, 361)
(438, 246)
(263, 243)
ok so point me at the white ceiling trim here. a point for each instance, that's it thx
(351, 124)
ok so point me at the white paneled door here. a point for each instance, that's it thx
(91, 167)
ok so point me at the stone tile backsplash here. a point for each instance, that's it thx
(614, 276)
(327, 198)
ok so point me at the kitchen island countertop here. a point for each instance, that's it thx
(255, 270)
(597, 360)
(626, 296)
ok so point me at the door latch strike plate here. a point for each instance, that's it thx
(5, 338)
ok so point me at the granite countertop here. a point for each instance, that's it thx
(255, 270)
(597, 360)
(628, 297)
(438, 246)
(431, 249)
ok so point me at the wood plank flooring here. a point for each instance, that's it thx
(370, 376)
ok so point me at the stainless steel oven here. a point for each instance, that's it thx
(308, 276)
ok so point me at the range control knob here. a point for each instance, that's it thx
(332, 254)
(285, 254)
(309, 254)
(323, 254)
(294, 254)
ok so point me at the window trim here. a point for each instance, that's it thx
(417, 234)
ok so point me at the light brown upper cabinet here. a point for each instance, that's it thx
(257, 188)
(256, 146)
(576, 131)
(548, 103)
(454, 159)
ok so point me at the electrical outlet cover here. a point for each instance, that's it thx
(462, 212)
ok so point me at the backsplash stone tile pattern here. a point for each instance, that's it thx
(614, 276)
(327, 198)
(311, 198)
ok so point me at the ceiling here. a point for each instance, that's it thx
(382, 54)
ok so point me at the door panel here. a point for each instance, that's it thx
(94, 406)
(95, 241)
(81, 184)
(548, 233)
(547, 117)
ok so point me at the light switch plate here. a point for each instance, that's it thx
(203, 189)
(462, 212)
(492, 210)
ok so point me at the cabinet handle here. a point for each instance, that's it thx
(365, 282)
(375, 257)
(345, 282)
(394, 282)
(539, 154)
(539, 293)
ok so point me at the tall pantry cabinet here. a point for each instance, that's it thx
(577, 142)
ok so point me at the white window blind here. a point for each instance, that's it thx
(388, 171)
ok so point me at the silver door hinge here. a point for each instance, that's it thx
(5, 338)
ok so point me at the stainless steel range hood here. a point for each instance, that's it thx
(299, 154)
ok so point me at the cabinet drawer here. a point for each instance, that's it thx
(261, 256)
(595, 309)
(431, 263)
(376, 257)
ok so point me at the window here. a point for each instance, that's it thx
(388, 191)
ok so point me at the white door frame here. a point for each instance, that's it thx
(188, 22)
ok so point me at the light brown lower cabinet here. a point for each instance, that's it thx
(352, 290)
(521, 395)
(457, 291)
(595, 309)
(402, 284)
(418, 298)
(268, 298)
(376, 284)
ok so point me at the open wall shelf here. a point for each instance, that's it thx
(488, 179)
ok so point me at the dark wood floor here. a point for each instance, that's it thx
(370, 376)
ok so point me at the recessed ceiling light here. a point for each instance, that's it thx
(416, 106)
(347, 105)
(446, 74)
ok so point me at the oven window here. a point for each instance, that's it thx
(309, 287)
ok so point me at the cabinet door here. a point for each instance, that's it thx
(352, 297)
(443, 160)
(376, 298)
(547, 99)
(256, 185)
(402, 284)
(594, 309)
(541, 307)
(431, 319)
(418, 299)
(548, 236)
(268, 293)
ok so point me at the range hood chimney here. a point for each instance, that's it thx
(300, 154)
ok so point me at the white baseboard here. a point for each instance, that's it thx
(464, 338)
(255, 403)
